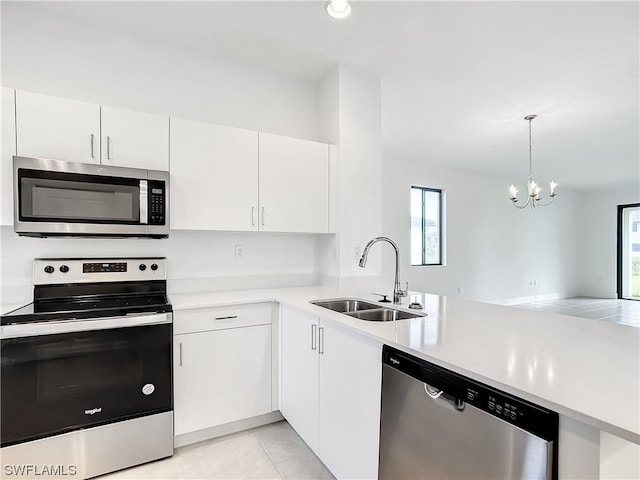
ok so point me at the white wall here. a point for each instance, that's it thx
(493, 250)
(44, 53)
(197, 261)
(598, 217)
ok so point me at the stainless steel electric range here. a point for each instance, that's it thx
(87, 369)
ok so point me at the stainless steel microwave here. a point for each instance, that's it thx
(55, 198)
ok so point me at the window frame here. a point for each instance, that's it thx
(440, 193)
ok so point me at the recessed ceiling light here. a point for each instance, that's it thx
(338, 8)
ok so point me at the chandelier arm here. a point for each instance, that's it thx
(521, 206)
(548, 203)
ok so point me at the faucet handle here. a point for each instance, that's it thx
(384, 297)
(403, 293)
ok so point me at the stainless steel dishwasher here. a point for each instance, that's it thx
(436, 424)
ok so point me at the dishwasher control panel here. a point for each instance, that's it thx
(463, 391)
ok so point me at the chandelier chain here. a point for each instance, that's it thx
(530, 162)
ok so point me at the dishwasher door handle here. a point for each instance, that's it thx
(441, 396)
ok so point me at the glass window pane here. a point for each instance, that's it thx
(416, 226)
(426, 228)
(432, 227)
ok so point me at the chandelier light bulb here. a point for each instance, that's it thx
(338, 8)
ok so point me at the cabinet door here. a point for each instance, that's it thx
(8, 151)
(57, 128)
(299, 374)
(221, 376)
(350, 376)
(134, 139)
(294, 185)
(214, 177)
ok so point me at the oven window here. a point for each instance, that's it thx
(63, 372)
(46, 196)
(57, 383)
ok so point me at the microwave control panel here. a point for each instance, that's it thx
(157, 203)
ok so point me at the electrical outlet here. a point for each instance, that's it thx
(459, 289)
(335, 253)
(533, 283)
(239, 252)
(357, 253)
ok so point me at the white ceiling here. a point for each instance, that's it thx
(457, 77)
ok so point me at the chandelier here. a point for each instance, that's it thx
(534, 190)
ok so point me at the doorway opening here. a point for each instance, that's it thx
(629, 251)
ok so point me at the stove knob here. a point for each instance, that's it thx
(154, 266)
(64, 268)
(49, 269)
(142, 267)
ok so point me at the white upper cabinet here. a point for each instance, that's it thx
(57, 128)
(8, 151)
(73, 131)
(294, 185)
(134, 139)
(214, 177)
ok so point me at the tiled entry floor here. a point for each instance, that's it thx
(605, 309)
(273, 451)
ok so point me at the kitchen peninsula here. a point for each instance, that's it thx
(558, 362)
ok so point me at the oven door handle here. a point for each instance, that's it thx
(83, 325)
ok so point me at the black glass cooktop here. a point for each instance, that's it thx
(91, 300)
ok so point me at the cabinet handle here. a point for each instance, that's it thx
(253, 216)
(321, 342)
(108, 147)
(313, 336)
(264, 215)
(230, 317)
(180, 352)
(93, 141)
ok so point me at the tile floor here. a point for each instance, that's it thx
(609, 310)
(273, 451)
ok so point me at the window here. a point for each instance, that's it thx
(426, 226)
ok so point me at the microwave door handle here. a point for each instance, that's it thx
(144, 202)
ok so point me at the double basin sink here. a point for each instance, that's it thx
(365, 310)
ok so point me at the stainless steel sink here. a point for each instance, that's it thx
(344, 305)
(365, 310)
(384, 315)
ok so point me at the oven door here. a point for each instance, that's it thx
(64, 376)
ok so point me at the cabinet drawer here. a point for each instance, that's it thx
(220, 318)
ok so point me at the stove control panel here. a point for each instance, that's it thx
(49, 271)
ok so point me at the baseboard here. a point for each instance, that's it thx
(530, 299)
(226, 429)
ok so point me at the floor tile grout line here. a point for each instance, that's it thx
(273, 464)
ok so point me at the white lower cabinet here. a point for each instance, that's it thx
(330, 392)
(222, 365)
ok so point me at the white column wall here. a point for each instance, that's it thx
(351, 118)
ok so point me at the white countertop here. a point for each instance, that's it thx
(585, 369)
